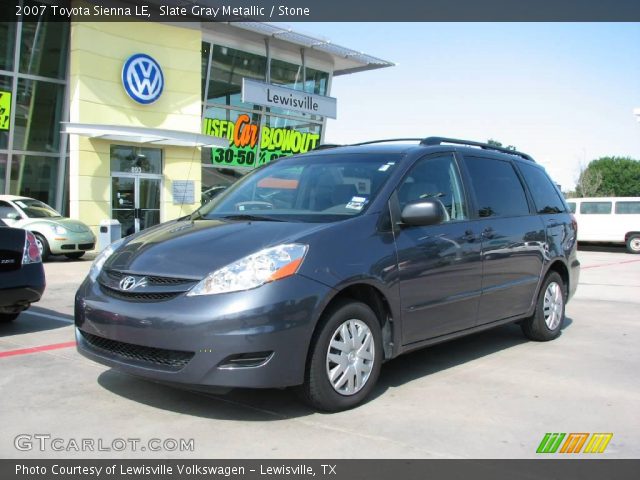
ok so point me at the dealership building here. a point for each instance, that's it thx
(131, 121)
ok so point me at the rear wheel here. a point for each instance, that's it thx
(633, 243)
(345, 358)
(546, 322)
(43, 246)
(74, 255)
(8, 317)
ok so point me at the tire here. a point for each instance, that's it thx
(633, 243)
(8, 317)
(345, 318)
(546, 325)
(43, 245)
(74, 255)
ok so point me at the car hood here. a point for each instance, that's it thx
(192, 250)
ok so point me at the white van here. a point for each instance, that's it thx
(608, 219)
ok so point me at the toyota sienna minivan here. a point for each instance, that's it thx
(314, 270)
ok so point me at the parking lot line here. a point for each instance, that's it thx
(41, 348)
(609, 264)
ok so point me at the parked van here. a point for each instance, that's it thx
(608, 219)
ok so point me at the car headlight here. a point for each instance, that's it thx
(254, 270)
(60, 230)
(98, 263)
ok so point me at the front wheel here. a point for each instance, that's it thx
(547, 320)
(8, 317)
(633, 243)
(345, 358)
(43, 246)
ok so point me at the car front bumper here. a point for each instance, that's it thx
(214, 336)
(71, 242)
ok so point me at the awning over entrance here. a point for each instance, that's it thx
(144, 135)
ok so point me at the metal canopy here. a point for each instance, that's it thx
(151, 136)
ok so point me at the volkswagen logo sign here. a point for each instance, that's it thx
(129, 283)
(142, 78)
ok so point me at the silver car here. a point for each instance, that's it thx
(55, 234)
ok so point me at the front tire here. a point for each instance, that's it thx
(547, 320)
(43, 246)
(345, 358)
(633, 243)
(8, 317)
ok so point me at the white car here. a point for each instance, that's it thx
(55, 234)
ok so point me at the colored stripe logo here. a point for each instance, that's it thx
(573, 442)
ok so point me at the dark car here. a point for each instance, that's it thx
(22, 279)
(315, 269)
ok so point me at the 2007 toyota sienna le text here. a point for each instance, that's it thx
(315, 269)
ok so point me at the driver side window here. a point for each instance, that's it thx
(435, 177)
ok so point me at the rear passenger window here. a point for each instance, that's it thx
(595, 208)
(628, 208)
(572, 207)
(498, 189)
(545, 195)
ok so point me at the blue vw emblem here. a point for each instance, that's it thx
(142, 78)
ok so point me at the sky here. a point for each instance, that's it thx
(562, 92)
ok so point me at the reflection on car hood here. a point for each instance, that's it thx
(192, 250)
(72, 225)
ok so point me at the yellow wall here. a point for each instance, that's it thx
(98, 51)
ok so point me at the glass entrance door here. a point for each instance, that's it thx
(135, 201)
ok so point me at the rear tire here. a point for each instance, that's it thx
(546, 322)
(344, 358)
(8, 317)
(633, 243)
(74, 255)
(43, 245)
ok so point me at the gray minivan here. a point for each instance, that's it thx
(315, 269)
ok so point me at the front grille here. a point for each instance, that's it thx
(168, 359)
(152, 280)
(85, 246)
(139, 296)
(68, 246)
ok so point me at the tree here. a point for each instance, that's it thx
(495, 143)
(610, 177)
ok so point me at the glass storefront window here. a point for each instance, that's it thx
(130, 159)
(7, 44)
(206, 48)
(281, 137)
(240, 128)
(5, 111)
(228, 67)
(286, 74)
(316, 81)
(3, 171)
(43, 48)
(39, 107)
(35, 177)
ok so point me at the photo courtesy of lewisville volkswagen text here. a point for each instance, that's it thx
(375, 240)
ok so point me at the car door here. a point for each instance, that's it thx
(513, 238)
(439, 266)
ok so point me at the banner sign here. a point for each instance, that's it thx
(5, 109)
(245, 136)
(270, 95)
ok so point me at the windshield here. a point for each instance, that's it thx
(323, 188)
(36, 209)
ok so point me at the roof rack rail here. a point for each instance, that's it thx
(385, 140)
(431, 141)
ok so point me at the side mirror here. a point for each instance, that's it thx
(13, 216)
(424, 212)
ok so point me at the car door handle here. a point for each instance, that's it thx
(488, 232)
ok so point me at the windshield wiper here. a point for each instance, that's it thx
(245, 216)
